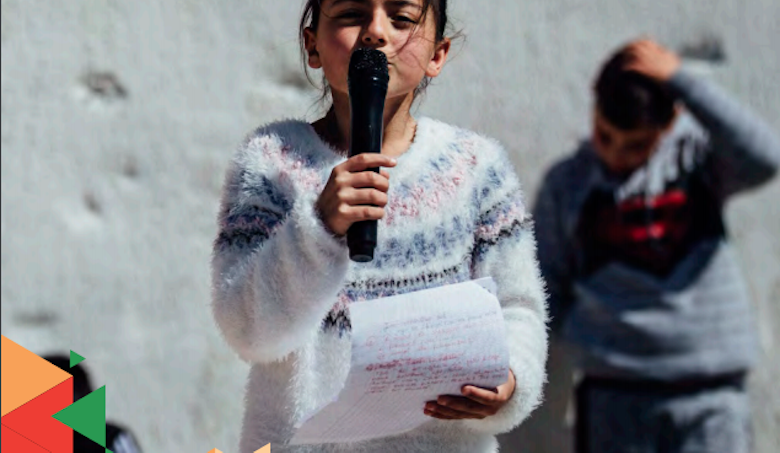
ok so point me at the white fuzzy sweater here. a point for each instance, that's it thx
(282, 284)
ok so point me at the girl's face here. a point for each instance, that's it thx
(396, 27)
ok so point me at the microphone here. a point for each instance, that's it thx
(367, 82)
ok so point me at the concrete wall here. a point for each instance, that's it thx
(119, 117)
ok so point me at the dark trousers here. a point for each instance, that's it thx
(699, 416)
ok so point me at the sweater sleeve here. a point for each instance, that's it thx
(275, 268)
(505, 250)
(744, 150)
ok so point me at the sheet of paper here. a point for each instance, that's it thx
(407, 350)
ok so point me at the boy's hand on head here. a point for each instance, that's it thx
(353, 194)
(652, 60)
(476, 402)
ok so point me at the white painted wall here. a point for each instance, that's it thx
(109, 200)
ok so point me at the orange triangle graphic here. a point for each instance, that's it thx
(25, 375)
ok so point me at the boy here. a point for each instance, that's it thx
(641, 278)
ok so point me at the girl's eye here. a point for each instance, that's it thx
(404, 19)
(350, 15)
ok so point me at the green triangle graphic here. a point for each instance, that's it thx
(75, 359)
(87, 416)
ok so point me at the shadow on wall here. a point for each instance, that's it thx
(548, 429)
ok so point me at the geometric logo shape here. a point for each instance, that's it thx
(13, 442)
(75, 359)
(38, 413)
(33, 419)
(25, 376)
(87, 416)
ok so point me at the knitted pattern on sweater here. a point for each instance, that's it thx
(283, 284)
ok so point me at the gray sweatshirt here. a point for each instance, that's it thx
(641, 277)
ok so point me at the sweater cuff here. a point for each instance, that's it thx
(530, 376)
(315, 234)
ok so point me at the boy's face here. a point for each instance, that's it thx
(623, 151)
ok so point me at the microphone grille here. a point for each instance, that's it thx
(366, 61)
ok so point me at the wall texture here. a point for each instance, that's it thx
(119, 117)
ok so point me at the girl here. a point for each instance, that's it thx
(451, 212)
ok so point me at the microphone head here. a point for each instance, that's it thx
(367, 63)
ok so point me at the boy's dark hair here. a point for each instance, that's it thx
(629, 100)
(81, 381)
(311, 17)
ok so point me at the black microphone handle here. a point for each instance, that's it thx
(367, 102)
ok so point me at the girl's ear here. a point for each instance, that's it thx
(310, 42)
(439, 57)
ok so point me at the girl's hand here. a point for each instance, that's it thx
(351, 189)
(652, 60)
(476, 402)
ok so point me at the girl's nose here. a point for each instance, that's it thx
(375, 34)
(372, 41)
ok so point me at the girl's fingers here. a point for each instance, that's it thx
(448, 413)
(365, 161)
(357, 197)
(438, 415)
(367, 179)
(480, 395)
(360, 213)
(466, 406)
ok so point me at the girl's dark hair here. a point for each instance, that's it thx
(630, 100)
(311, 16)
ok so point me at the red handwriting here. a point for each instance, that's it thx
(442, 349)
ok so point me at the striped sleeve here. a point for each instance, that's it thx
(275, 268)
(505, 249)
